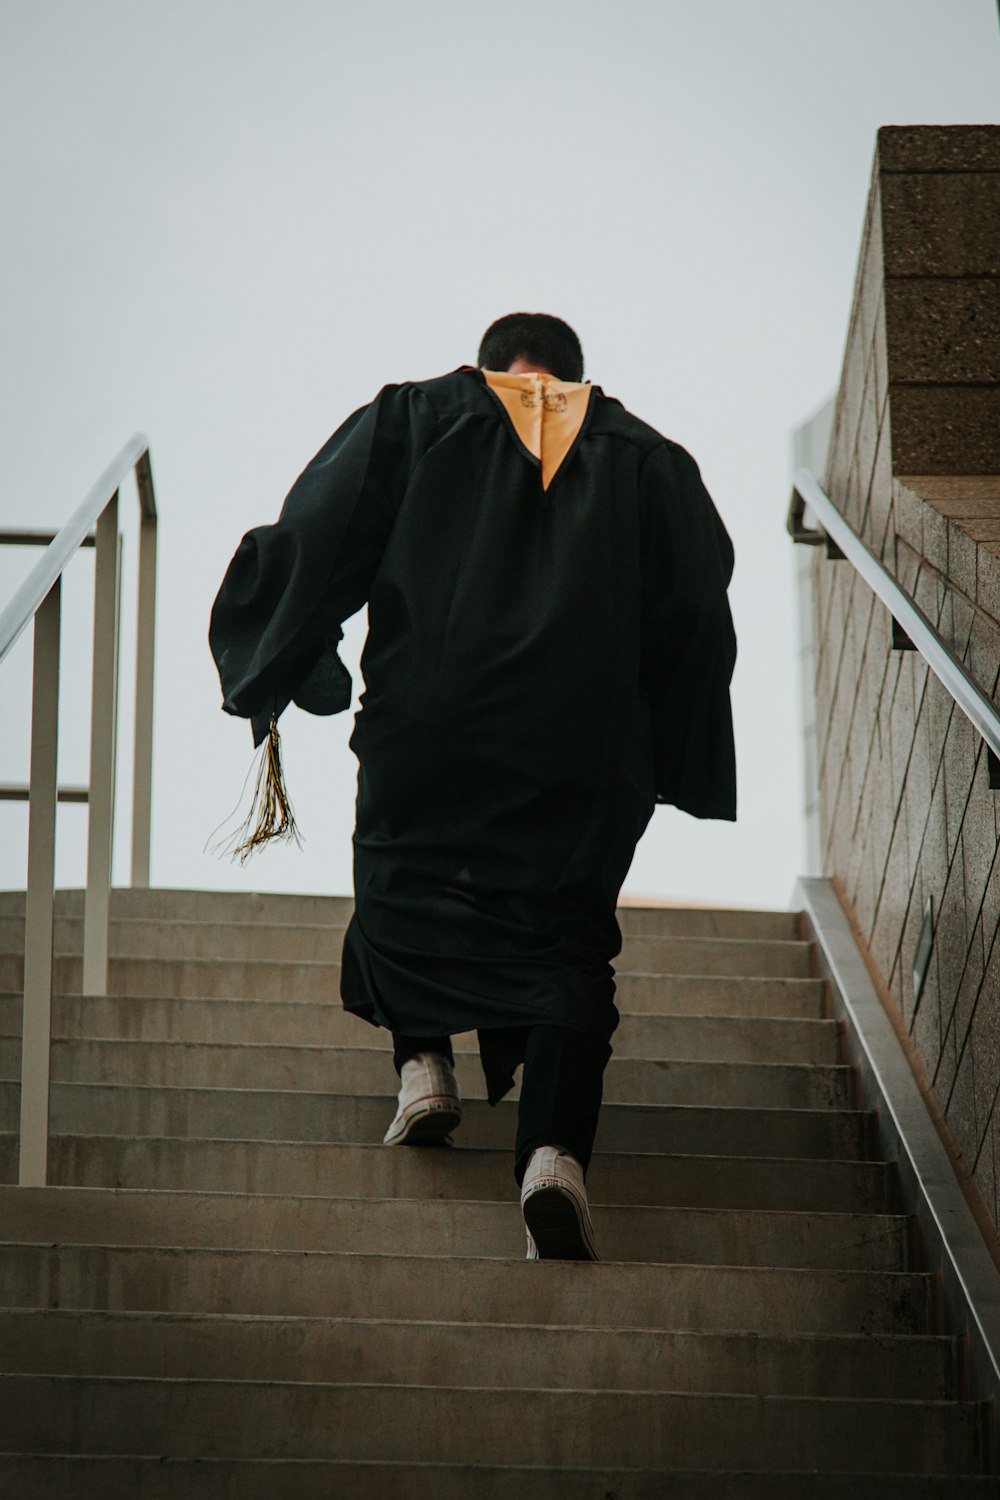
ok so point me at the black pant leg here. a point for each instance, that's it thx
(561, 1090)
(405, 1047)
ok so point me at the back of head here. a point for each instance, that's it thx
(538, 338)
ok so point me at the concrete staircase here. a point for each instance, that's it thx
(236, 1292)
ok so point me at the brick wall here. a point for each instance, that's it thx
(907, 814)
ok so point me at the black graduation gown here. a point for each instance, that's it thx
(542, 667)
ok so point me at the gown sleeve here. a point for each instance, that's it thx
(688, 643)
(276, 622)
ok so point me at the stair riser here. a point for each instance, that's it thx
(378, 1172)
(289, 979)
(749, 1237)
(369, 1070)
(39, 1413)
(717, 1299)
(41, 1342)
(706, 922)
(321, 943)
(93, 1109)
(158, 904)
(641, 994)
(266, 1479)
(269, 908)
(731, 1039)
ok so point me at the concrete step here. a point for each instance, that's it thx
(163, 904)
(722, 995)
(376, 1171)
(380, 1351)
(771, 1300)
(457, 1227)
(709, 922)
(249, 1418)
(293, 979)
(134, 937)
(326, 1024)
(638, 994)
(96, 1478)
(368, 1070)
(287, 1115)
(159, 904)
(763, 1314)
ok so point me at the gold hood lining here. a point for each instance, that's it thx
(546, 413)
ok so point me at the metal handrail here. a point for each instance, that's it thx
(11, 793)
(27, 536)
(38, 600)
(918, 630)
(17, 616)
(967, 1292)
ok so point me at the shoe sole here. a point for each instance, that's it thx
(554, 1224)
(427, 1127)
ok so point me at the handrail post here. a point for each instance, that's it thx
(103, 716)
(142, 780)
(36, 1025)
(38, 600)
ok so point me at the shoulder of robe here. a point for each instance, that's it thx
(451, 392)
(611, 419)
(666, 455)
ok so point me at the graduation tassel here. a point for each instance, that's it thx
(270, 816)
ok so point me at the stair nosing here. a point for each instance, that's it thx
(817, 1162)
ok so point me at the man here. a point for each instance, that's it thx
(549, 655)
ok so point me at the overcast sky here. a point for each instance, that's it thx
(229, 222)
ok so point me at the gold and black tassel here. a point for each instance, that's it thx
(270, 816)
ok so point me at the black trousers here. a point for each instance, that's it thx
(561, 1087)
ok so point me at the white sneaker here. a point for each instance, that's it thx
(555, 1208)
(429, 1105)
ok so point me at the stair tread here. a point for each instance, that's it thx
(316, 1479)
(457, 1226)
(369, 1170)
(39, 1315)
(673, 954)
(136, 1109)
(188, 902)
(539, 1354)
(367, 1070)
(464, 1288)
(412, 1422)
(238, 1023)
(777, 996)
(181, 925)
(121, 1196)
(450, 1154)
(354, 1049)
(486, 1389)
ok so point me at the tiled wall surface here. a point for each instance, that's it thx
(907, 814)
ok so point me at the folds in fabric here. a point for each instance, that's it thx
(688, 643)
(275, 624)
(543, 664)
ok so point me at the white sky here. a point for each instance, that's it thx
(229, 222)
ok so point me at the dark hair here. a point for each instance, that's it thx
(536, 337)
